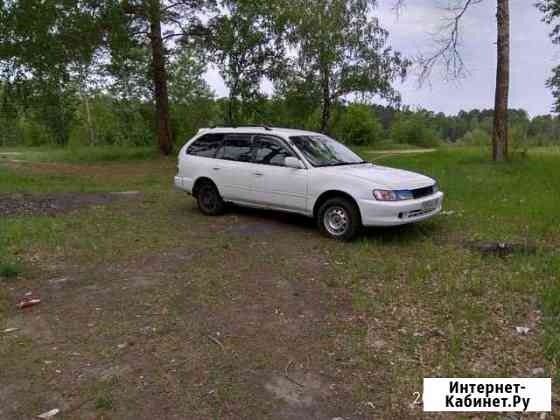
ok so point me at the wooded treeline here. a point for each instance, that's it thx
(130, 72)
(107, 120)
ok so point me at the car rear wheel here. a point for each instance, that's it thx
(209, 200)
(339, 218)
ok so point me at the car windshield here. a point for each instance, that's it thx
(321, 150)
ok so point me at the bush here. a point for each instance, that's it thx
(358, 126)
(413, 129)
(32, 132)
(476, 137)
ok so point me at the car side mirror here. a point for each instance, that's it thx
(293, 162)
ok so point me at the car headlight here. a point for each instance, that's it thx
(389, 195)
(384, 195)
(435, 188)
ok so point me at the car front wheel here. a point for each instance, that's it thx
(209, 200)
(339, 218)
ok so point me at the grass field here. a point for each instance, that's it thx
(151, 310)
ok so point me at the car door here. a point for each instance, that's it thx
(233, 168)
(277, 185)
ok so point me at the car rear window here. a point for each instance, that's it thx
(236, 147)
(206, 146)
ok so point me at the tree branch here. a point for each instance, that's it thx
(447, 54)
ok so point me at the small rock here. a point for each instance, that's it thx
(122, 346)
(538, 371)
(49, 414)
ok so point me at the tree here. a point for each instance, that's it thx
(243, 48)
(342, 49)
(448, 54)
(44, 48)
(136, 23)
(359, 126)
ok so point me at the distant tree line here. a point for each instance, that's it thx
(107, 119)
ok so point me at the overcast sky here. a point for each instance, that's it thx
(532, 56)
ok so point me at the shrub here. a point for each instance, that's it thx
(476, 137)
(32, 132)
(413, 129)
(358, 126)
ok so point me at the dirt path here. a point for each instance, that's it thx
(240, 332)
(401, 152)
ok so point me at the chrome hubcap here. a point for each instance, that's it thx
(336, 221)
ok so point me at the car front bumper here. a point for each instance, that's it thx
(394, 213)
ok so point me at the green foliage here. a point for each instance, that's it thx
(518, 138)
(341, 49)
(413, 128)
(32, 133)
(9, 270)
(104, 402)
(359, 126)
(551, 10)
(476, 137)
(242, 47)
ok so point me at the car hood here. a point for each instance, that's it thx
(384, 177)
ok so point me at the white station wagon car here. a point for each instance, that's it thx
(301, 172)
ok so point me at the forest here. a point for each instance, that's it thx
(131, 73)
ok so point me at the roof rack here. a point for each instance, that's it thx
(266, 127)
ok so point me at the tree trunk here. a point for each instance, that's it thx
(89, 122)
(326, 101)
(159, 75)
(230, 112)
(500, 133)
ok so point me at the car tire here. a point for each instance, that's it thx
(209, 200)
(339, 218)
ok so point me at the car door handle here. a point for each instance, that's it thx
(258, 174)
(216, 169)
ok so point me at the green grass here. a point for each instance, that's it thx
(104, 402)
(83, 154)
(430, 297)
(9, 270)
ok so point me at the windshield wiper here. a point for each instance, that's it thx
(348, 163)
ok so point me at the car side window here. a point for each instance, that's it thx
(236, 147)
(206, 146)
(270, 151)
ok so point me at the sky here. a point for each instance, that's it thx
(411, 32)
